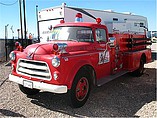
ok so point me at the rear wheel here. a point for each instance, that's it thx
(28, 91)
(80, 90)
(140, 70)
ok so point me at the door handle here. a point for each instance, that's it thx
(100, 49)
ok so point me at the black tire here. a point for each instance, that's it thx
(28, 91)
(80, 90)
(140, 70)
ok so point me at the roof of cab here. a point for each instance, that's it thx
(83, 24)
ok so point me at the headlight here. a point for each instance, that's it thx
(55, 61)
(12, 56)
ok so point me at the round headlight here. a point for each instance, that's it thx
(55, 61)
(12, 56)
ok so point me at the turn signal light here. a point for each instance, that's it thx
(55, 47)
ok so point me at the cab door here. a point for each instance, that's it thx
(103, 53)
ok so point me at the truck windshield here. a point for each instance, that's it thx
(80, 34)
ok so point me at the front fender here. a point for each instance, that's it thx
(74, 70)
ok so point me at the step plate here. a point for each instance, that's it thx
(104, 80)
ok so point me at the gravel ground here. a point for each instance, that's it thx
(124, 97)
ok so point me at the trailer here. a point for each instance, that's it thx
(115, 22)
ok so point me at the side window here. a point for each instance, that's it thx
(100, 35)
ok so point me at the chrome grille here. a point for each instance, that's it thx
(36, 69)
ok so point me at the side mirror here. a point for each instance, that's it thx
(111, 41)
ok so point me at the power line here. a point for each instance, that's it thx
(9, 4)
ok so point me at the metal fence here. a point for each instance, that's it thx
(8, 45)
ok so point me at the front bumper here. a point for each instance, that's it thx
(40, 85)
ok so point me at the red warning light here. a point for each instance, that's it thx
(79, 15)
(62, 21)
(98, 20)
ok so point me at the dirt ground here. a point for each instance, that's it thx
(125, 96)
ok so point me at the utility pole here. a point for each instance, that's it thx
(25, 32)
(37, 23)
(18, 32)
(6, 37)
(21, 22)
(6, 31)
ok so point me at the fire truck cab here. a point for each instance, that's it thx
(78, 55)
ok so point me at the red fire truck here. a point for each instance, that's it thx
(79, 56)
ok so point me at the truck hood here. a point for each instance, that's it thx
(47, 48)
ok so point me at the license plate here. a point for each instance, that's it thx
(28, 84)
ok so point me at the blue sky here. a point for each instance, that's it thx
(10, 14)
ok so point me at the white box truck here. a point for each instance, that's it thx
(115, 22)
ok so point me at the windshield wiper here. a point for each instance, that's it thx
(73, 40)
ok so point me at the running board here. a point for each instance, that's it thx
(104, 80)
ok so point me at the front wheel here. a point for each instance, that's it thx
(80, 90)
(28, 91)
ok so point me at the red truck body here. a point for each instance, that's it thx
(60, 66)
